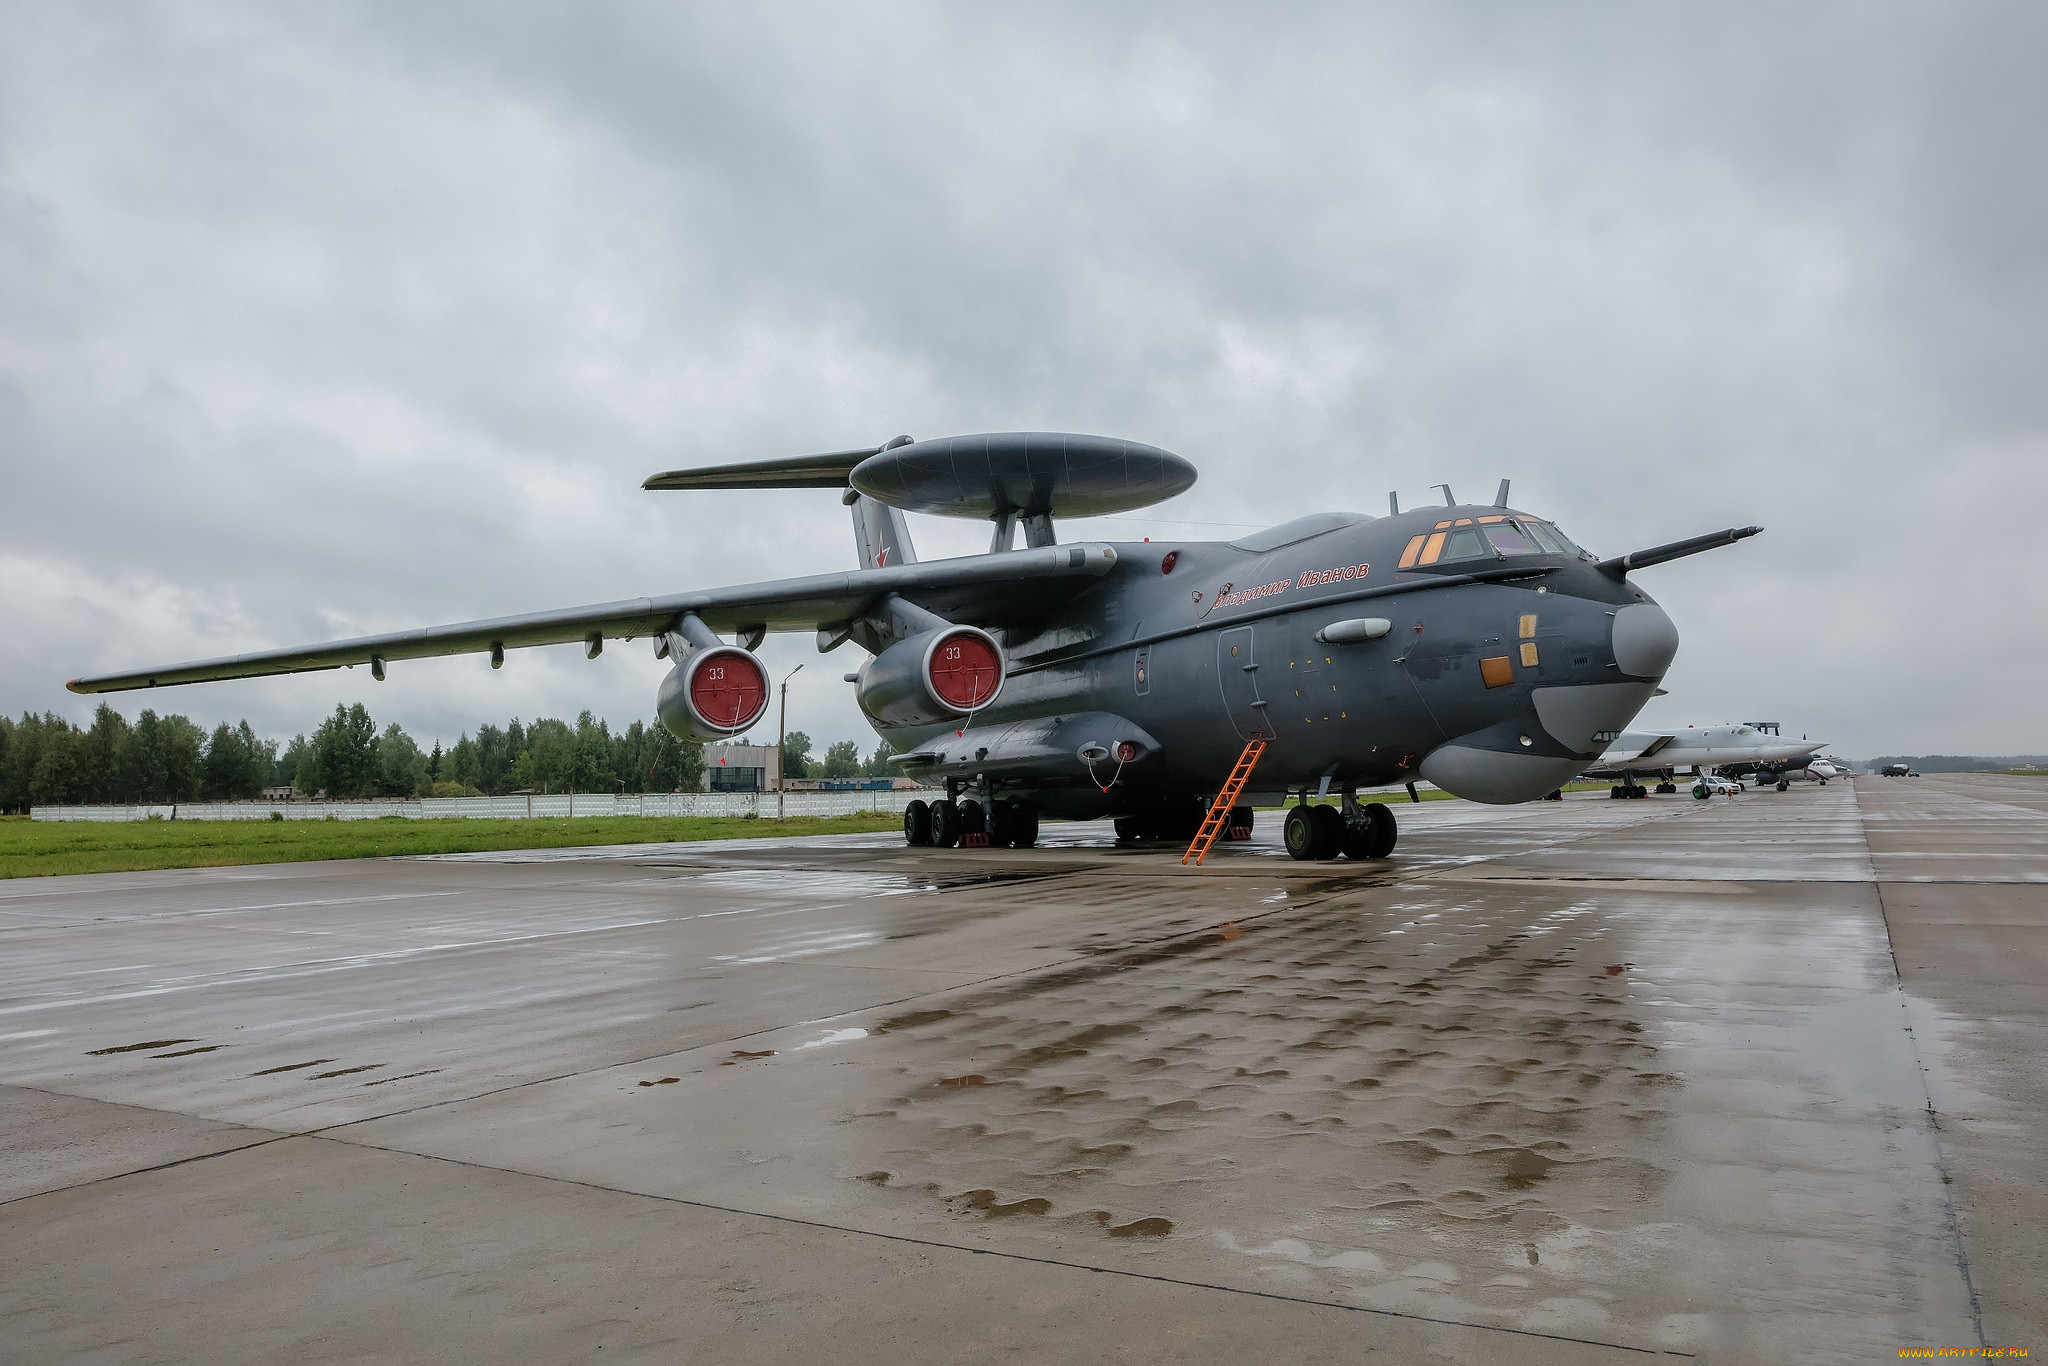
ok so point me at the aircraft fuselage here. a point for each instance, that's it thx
(1497, 677)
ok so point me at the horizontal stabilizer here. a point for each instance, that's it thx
(828, 471)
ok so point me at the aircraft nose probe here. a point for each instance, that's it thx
(1619, 566)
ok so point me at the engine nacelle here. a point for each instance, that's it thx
(713, 693)
(934, 677)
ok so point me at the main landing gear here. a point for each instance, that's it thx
(1005, 823)
(1324, 832)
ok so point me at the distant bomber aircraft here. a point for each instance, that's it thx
(1169, 685)
(1750, 748)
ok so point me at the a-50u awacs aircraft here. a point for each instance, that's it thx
(1167, 684)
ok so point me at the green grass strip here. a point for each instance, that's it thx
(51, 848)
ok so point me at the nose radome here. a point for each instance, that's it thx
(1645, 640)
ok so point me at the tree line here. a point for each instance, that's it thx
(160, 759)
(841, 760)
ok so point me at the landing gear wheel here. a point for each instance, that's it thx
(1129, 828)
(917, 823)
(999, 824)
(1300, 834)
(1616, 792)
(1241, 818)
(1383, 830)
(1699, 792)
(1357, 839)
(1020, 822)
(946, 829)
(1667, 787)
(1329, 831)
(973, 819)
(1784, 786)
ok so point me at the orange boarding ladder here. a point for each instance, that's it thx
(1220, 808)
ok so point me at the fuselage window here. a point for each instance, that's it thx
(1414, 549)
(1433, 549)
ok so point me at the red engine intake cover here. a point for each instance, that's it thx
(728, 688)
(964, 670)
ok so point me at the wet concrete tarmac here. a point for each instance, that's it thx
(1748, 1080)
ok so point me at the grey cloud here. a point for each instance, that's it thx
(317, 321)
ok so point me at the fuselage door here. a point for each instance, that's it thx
(1237, 673)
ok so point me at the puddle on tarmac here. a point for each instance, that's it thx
(832, 1036)
(136, 1047)
(408, 1076)
(912, 1020)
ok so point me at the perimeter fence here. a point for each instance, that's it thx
(766, 805)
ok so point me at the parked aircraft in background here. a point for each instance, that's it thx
(1167, 684)
(1736, 751)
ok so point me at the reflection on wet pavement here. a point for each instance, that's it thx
(1629, 1074)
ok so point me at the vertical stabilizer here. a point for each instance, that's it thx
(880, 534)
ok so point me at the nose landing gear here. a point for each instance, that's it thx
(1354, 831)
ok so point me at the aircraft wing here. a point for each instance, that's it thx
(974, 590)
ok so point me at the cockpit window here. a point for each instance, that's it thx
(1510, 539)
(1464, 545)
(1498, 536)
(1551, 539)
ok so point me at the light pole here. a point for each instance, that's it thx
(782, 729)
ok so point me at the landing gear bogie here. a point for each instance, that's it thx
(1008, 822)
(946, 824)
(1323, 832)
(917, 824)
(1302, 833)
(1330, 831)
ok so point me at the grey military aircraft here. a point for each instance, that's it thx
(1747, 749)
(1472, 646)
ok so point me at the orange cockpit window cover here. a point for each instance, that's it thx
(1414, 549)
(1434, 548)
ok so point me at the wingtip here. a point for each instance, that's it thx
(72, 686)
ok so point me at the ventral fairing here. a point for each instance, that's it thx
(1474, 646)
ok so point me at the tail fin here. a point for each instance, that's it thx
(880, 534)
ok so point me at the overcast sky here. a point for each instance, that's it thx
(322, 320)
